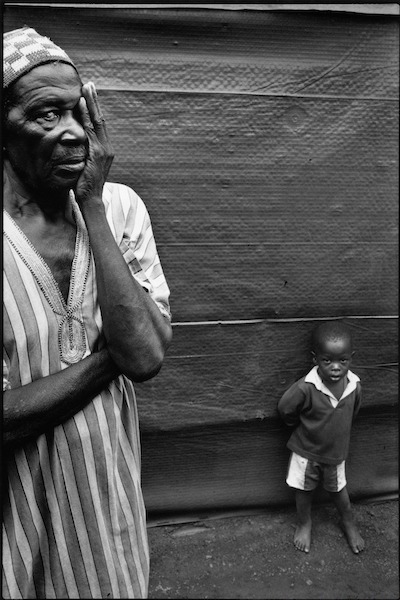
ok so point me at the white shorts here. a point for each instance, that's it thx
(305, 474)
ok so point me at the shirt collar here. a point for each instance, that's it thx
(314, 378)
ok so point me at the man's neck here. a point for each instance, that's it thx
(20, 201)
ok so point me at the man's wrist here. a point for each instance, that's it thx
(92, 208)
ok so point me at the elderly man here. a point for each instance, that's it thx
(86, 312)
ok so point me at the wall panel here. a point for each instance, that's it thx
(220, 373)
(265, 145)
(241, 465)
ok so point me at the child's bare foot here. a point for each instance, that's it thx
(354, 538)
(302, 537)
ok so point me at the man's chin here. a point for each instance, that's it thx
(64, 180)
(55, 188)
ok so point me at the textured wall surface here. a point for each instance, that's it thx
(265, 145)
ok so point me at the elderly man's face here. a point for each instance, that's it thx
(45, 141)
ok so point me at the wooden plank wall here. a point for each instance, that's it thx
(265, 145)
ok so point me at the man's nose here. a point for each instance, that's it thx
(72, 129)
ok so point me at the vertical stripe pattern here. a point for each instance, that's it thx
(74, 522)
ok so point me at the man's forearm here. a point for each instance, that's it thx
(137, 333)
(32, 409)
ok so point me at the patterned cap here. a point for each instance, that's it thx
(24, 49)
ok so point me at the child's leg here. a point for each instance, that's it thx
(302, 535)
(342, 502)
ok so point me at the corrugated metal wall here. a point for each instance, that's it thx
(265, 145)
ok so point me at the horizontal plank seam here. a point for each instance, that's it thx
(281, 320)
(308, 243)
(390, 367)
(386, 8)
(99, 87)
(275, 423)
(383, 366)
(159, 518)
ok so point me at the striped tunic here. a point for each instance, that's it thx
(74, 523)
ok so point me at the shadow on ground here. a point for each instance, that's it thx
(253, 557)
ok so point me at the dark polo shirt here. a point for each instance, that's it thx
(322, 423)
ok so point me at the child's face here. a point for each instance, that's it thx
(333, 359)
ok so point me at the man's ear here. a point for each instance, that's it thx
(314, 358)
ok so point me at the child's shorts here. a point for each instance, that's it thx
(305, 474)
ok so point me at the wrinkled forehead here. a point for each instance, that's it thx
(49, 74)
(43, 81)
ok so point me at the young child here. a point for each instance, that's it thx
(321, 406)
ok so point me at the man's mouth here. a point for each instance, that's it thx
(74, 159)
(71, 163)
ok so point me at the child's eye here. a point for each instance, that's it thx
(326, 361)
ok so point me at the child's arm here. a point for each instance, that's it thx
(291, 404)
(357, 402)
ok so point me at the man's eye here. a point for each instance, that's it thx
(49, 116)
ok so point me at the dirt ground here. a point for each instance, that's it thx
(252, 556)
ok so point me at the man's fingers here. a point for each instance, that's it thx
(86, 120)
(93, 107)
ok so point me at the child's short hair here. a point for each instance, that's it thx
(330, 331)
